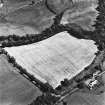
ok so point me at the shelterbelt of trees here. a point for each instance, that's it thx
(73, 29)
(43, 87)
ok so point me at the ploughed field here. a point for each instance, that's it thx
(56, 58)
(14, 88)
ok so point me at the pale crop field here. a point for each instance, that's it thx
(56, 58)
(15, 89)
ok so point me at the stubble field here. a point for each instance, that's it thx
(54, 59)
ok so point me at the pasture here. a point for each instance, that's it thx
(82, 13)
(79, 98)
(87, 98)
(15, 89)
(20, 30)
(20, 18)
(56, 58)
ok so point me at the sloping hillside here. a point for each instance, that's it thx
(23, 17)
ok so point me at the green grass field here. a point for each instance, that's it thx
(14, 89)
(20, 18)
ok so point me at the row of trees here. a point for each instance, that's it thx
(74, 30)
(99, 33)
(64, 83)
(14, 40)
(48, 97)
(43, 87)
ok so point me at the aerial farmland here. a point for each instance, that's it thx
(21, 18)
(14, 89)
(56, 58)
(20, 30)
(52, 52)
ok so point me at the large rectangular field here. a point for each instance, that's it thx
(56, 58)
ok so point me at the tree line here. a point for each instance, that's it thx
(14, 40)
(44, 87)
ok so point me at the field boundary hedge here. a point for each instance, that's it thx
(43, 87)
